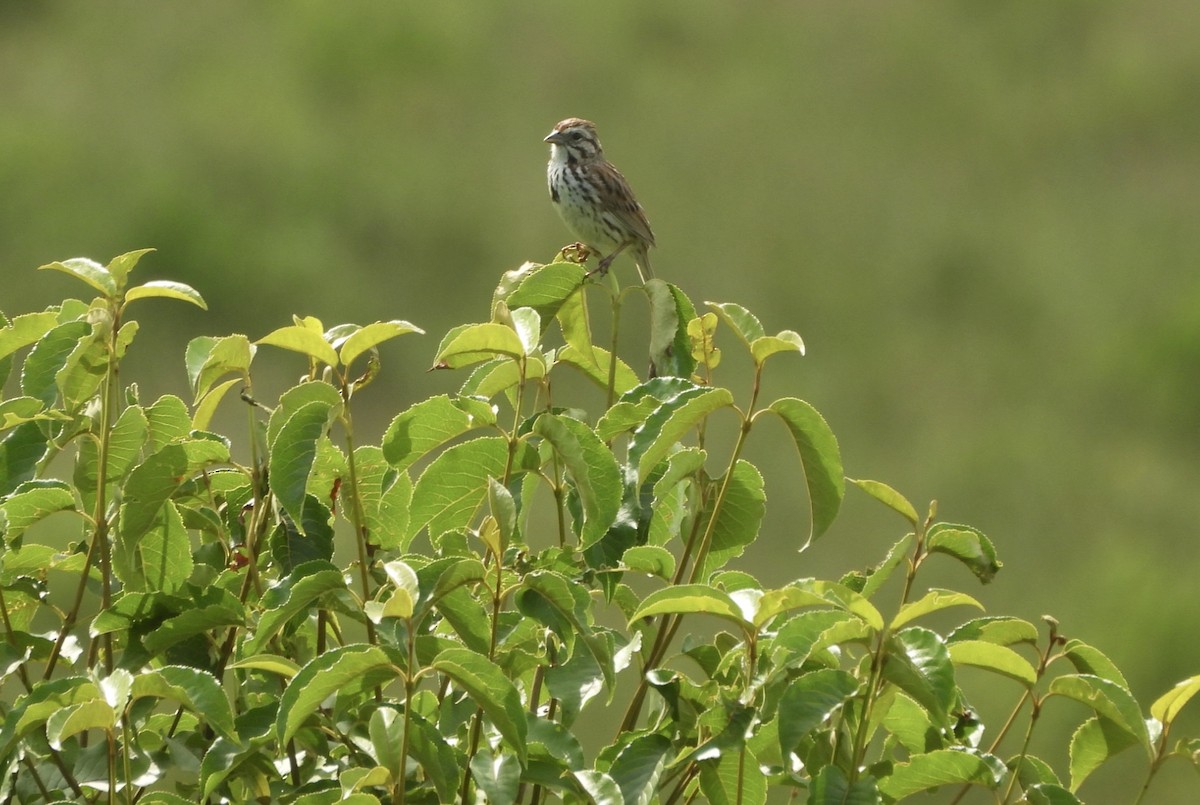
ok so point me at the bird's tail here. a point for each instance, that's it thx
(643, 264)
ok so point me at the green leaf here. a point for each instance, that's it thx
(152, 483)
(600, 787)
(168, 421)
(25, 330)
(33, 501)
(385, 495)
(687, 599)
(639, 767)
(473, 343)
(20, 452)
(270, 663)
(372, 336)
(1095, 742)
(498, 776)
(192, 622)
(659, 434)
(820, 457)
(159, 557)
(432, 423)
(738, 521)
(879, 575)
(1167, 706)
(991, 657)
(209, 359)
(933, 601)
(1090, 660)
(844, 598)
(809, 700)
(48, 357)
(744, 324)
(290, 596)
(592, 468)
(1108, 700)
(294, 452)
(62, 724)
(765, 346)
(196, 690)
(545, 288)
(670, 345)
(733, 778)
(453, 486)
(346, 671)
(1001, 630)
(491, 690)
(593, 363)
(443, 764)
(121, 265)
(831, 787)
(1049, 794)
(87, 270)
(166, 289)
(891, 498)
(967, 545)
(304, 340)
(941, 767)
(919, 664)
(649, 559)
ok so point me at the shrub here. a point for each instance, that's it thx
(509, 597)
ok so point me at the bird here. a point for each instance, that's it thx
(594, 200)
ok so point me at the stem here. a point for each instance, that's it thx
(612, 357)
(357, 515)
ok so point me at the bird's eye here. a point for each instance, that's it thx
(575, 135)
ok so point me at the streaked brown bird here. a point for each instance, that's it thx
(594, 199)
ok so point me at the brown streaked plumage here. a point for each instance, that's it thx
(594, 199)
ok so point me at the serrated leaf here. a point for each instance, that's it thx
(1167, 706)
(651, 559)
(889, 497)
(491, 690)
(1094, 743)
(345, 670)
(674, 417)
(294, 452)
(432, 423)
(76, 718)
(733, 779)
(270, 663)
(785, 341)
(26, 329)
(20, 452)
(941, 767)
(820, 457)
(477, 342)
(1090, 660)
(304, 340)
(290, 596)
(453, 486)
(1001, 630)
(121, 265)
(594, 363)
(991, 657)
(498, 776)
(592, 468)
(166, 289)
(197, 690)
(87, 270)
(189, 623)
(32, 502)
(831, 787)
(919, 664)
(670, 344)
(48, 356)
(738, 520)
(168, 421)
(1108, 699)
(744, 324)
(372, 335)
(639, 766)
(966, 544)
(209, 359)
(809, 700)
(932, 601)
(688, 599)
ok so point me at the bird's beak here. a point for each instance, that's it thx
(555, 137)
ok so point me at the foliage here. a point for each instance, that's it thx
(447, 615)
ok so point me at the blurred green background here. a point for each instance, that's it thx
(982, 217)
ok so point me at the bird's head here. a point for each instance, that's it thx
(574, 140)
